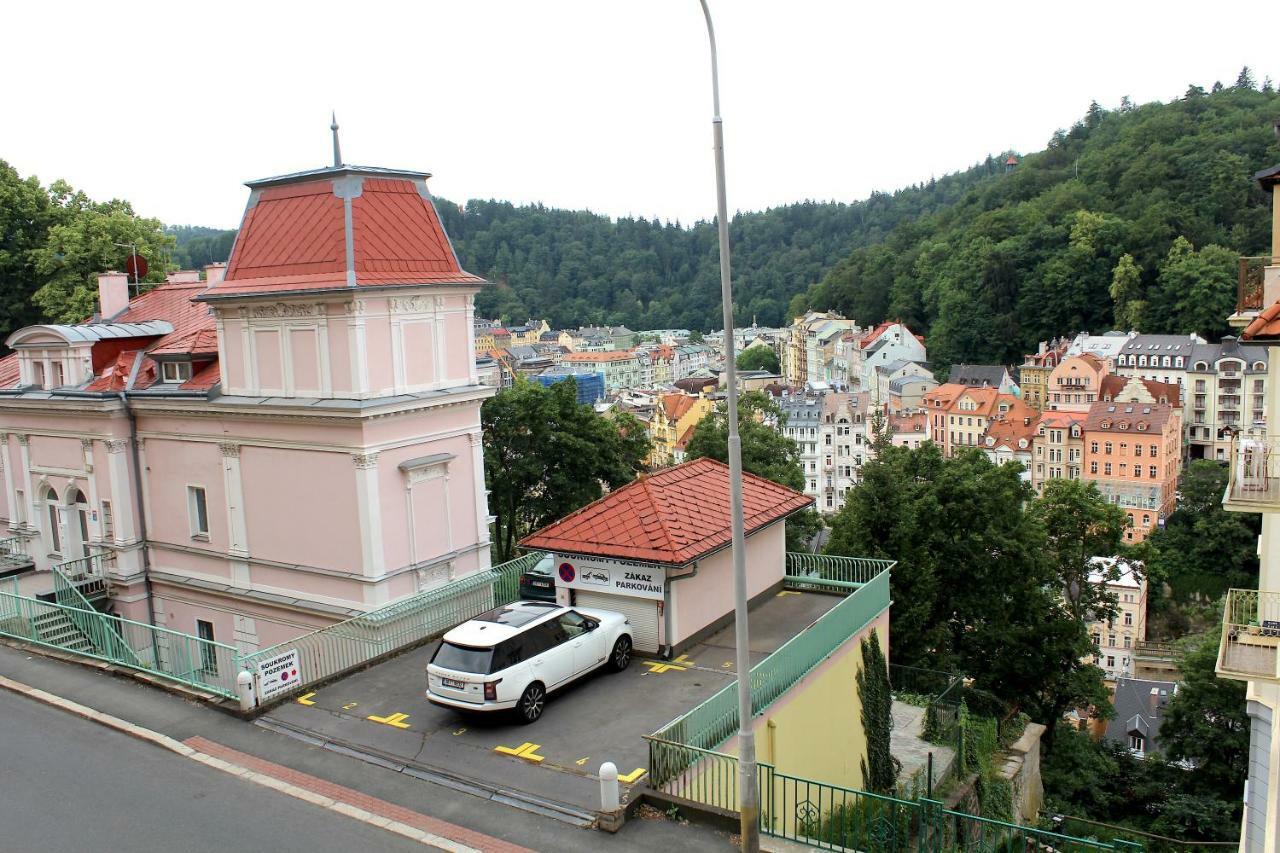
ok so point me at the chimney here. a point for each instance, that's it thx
(1044, 347)
(1153, 701)
(182, 276)
(113, 293)
(214, 273)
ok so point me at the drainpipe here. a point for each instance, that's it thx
(666, 609)
(138, 507)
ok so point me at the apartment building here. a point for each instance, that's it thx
(1133, 452)
(995, 376)
(621, 369)
(1250, 648)
(1010, 438)
(674, 415)
(1226, 396)
(971, 410)
(888, 343)
(1058, 448)
(830, 431)
(1117, 637)
(1074, 385)
(1033, 375)
(912, 378)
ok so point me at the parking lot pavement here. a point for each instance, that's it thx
(603, 717)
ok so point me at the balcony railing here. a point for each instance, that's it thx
(1250, 636)
(1250, 291)
(1254, 484)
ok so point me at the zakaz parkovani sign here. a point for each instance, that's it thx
(618, 577)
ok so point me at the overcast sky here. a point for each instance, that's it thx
(602, 104)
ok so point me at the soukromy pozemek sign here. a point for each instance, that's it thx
(619, 577)
(277, 674)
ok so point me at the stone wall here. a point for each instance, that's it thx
(1021, 766)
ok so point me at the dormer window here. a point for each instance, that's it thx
(175, 371)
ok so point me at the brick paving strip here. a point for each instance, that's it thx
(429, 831)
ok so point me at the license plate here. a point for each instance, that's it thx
(542, 584)
(456, 685)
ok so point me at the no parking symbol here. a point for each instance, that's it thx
(278, 674)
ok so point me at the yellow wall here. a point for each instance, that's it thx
(816, 730)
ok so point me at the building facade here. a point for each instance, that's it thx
(1133, 452)
(1226, 395)
(1118, 637)
(273, 448)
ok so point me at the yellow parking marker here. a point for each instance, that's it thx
(727, 665)
(459, 731)
(680, 664)
(397, 720)
(787, 592)
(305, 699)
(633, 775)
(349, 706)
(527, 751)
(582, 761)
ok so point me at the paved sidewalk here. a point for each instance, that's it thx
(182, 719)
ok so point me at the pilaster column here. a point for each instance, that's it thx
(370, 513)
(24, 452)
(122, 503)
(6, 469)
(476, 440)
(95, 508)
(237, 527)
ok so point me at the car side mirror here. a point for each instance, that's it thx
(592, 624)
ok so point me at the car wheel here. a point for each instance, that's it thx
(532, 702)
(620, 659)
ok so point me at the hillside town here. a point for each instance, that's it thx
(942, 520)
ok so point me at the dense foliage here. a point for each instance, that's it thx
(879, 768)
(195, 246)
(1150, 203)
(53, 240)
(759, 357)
(1205, 726)
(546, 454)
(981, 566)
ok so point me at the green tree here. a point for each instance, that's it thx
(1080, 524)
(695, 337)
(766, 452)
(879, 768)
(26, 214)
(1126, 293)
(1196, 290)
(759, 357)
(86, 240)
(1206, 724)
(547, 455)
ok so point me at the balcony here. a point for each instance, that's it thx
(1254, 482)
(1250, 636)
(1258, 286)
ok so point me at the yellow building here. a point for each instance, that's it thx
(1033, 375)
(484, 341)
(674, 415)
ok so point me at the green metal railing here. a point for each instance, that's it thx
(195, 662)
(697, 775)
(712, 723)
(1250, 645)
(1151, 843)
(821, 571)
(335, 649)
(13, 546)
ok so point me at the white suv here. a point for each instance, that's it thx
(513, 656)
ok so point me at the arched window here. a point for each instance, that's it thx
(81, 507)
(1200, 365)
(55, 536)
(1257, 365)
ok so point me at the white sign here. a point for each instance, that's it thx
(278, 674)
(619, 577)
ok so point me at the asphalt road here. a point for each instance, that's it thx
(67, 784)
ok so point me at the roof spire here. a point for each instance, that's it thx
(337, 152)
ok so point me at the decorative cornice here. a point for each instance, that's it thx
(282, 309)
(117, 445)
(86, 443)
(24, 439)
(229, 449)
(365, 460)
(415, 304)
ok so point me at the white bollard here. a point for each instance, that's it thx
(609, 787)
(244, 689)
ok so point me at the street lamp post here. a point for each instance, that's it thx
(748, 782)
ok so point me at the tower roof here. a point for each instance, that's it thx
(339, 228)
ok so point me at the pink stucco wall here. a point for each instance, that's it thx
(172, 467)
(701, 600)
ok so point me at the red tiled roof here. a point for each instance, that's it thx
(1265, 327)
(871, 336)
(675, 405)
(294, 238)
(9, 371)
(1154, 415)
(673, 517)
(1114, 384)
(204, 379)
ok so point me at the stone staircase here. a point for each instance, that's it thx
(56, 628)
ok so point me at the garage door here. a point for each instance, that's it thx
(642, 612)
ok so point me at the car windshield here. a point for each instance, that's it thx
(463, 658)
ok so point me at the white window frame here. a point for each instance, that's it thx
(107, 522)
(197, 504)
(180, 372)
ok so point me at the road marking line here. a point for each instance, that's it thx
(305, 699)
(349, 706)
(528, 751)
(727, 665)
(680, 664)
(581, 761)
(786, 592)
(633, 775)
(397, 720)
(459, 731)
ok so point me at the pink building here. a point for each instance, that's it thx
(293, 440)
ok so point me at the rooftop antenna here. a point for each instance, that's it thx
(337, 152)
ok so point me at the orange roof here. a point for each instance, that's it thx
(1113, 385)
(1123, 417)
(1019, 423)
(672, 517)
(916, 422)
(1062, 419)
(676, 405)
(1265, 327)
(300, 233)
(871, 336)
(944, 394)
(611, 355)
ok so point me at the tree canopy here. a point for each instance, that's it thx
(546, 455)
(759, 357)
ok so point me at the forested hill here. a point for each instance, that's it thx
(1132, 218)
